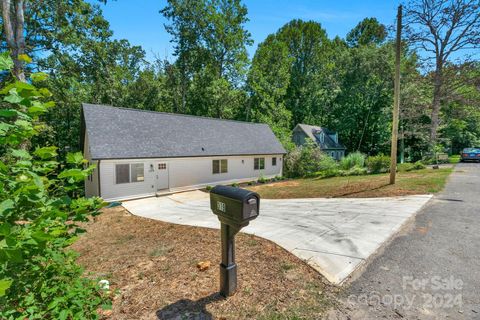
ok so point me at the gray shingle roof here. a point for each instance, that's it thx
(120, 133)
(328, 143)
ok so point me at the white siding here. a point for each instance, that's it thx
(184, 173)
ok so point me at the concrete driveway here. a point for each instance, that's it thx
(334, 236)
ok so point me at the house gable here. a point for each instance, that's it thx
(323, 137)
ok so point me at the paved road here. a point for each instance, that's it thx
(334, 236)
(432, 271)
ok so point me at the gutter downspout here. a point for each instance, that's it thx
(98, 180)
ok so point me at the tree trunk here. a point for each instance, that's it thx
(14, 34)
(437, 96)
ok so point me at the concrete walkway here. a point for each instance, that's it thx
(334, 236)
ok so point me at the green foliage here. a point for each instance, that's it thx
(39, 218)
(368, 31)
(378, 164)
(354, 171)
(405, 167)
(262, 179)
(308, 160)
(454, 159)
(210, 45)
(419, 165)
(353, 159)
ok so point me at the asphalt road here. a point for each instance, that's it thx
(432, 269)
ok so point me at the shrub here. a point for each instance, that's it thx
(419, 165)
(353, 159)
(208, 188)
(378, 164)
(327, 173)
(235, 185)
(262, 179)
(307, 160)
(405, 167)
(357, 171)
(40, 211)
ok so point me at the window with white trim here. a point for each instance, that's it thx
(129, 172)
(137, 172)
(219, 166)
(258, 163)
(274, 161)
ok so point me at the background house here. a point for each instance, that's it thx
(141, 153)
(326, 139)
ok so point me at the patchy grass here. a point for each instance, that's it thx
(152, 269)
(368, 186)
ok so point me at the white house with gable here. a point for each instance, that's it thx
(141, 153)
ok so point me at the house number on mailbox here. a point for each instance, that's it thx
(221, 206)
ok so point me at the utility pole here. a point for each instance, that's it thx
(396, 99)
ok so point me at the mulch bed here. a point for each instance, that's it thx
(153, 274)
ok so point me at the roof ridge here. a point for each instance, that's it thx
(175, 114)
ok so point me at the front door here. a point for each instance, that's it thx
(162, 175)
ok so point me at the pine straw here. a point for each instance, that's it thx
(151, 266)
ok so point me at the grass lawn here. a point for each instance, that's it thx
(152, 269)
(408, 183)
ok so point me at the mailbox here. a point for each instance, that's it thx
(235, 208)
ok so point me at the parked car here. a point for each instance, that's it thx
(470, 154)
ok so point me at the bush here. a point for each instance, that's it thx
(353, 159)
(378, 164)
(357, 171)
(419, 165)
(454, 159)
(327, 173)
(262, 179)
(307, 161)
(40, 213)
(405, 167)
(208, 188)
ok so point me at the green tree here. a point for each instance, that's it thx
(40, 212)
(368, 31)
(210, 46)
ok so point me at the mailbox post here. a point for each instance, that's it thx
(235, 208)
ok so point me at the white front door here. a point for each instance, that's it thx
(161, 169)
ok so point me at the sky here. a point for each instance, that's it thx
(140, 22)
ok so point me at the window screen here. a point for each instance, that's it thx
(223, 166)
(137, 174)
(122, 173)
(274, 161)
(259, 163)
(219, 166)
(215, 166)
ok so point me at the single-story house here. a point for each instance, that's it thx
(141, 153)
(326, 139)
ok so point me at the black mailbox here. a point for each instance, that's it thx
(235, 208)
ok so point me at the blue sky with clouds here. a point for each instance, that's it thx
(140, 22)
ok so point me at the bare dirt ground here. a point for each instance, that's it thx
(152, 269)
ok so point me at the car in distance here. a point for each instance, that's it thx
(470, 154)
